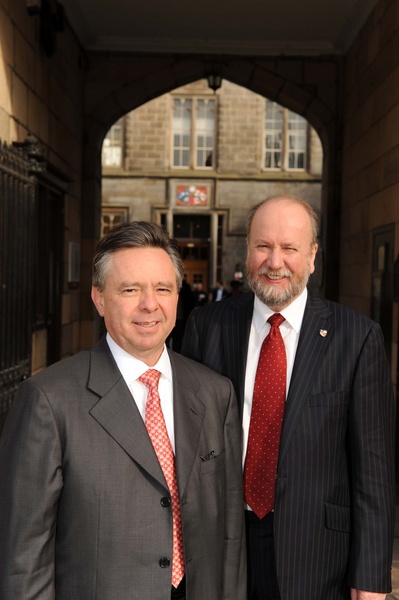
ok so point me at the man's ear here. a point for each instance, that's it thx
(313, 257)
(98, 299)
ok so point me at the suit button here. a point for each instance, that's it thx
(165, 502)
(164, 562)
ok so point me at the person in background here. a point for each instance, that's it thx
(235, 288)
(219, 292)
(120, 472)
(317, 409)
(200, 295)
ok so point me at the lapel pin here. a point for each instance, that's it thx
(323, 332)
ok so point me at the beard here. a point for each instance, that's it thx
(270, 295)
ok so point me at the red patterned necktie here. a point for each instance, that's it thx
(156, 427)
(266, 420)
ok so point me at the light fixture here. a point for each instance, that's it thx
(214, 81)
(52, 21)
(33, 6)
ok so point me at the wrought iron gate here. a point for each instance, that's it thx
(17, 205)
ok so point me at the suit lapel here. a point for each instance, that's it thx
(117, 413)
(312, 346)
(189, 413)
(236, 327)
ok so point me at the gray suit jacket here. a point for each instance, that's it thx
(81, 509)
(334, 511)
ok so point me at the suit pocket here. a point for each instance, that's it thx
(213, 464)
(337, 517)
(328, 399)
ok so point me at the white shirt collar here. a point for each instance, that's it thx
(293, 314)
(132, 368)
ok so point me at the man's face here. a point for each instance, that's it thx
(139, 301)
(280, 253)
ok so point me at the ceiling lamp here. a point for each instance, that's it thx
(214, 81)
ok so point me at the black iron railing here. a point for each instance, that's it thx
(17, 205)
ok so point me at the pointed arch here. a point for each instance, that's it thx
(310, 87)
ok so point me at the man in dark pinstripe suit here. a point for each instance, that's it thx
(330, 534)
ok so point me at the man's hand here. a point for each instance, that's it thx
(362, 595)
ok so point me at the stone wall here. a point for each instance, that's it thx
(370, 157)
(145, 179)
(147, 140)
(43, 96)
(241, 117)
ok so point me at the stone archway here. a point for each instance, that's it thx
(117, 84)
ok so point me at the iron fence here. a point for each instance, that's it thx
(17, 206)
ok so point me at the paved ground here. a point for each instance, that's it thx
(395, 565)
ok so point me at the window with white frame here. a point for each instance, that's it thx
(286, 139)
(194, 121)
(273, 135)
(112, 146)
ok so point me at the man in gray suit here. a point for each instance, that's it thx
(329, 530)
(85, 508)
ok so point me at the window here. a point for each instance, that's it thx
(286, 139)
(274, 135)
(297, 141)
(112, 216)
(112, 146)
(194, 133)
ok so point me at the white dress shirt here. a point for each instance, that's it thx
(132, 368)
(290, 330)
(219, 294)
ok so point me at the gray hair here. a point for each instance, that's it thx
(136, 234)
(313, 218)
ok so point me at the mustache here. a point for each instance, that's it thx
(275, 274)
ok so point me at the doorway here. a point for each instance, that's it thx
(193, 235)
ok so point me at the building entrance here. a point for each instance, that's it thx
(192, 233)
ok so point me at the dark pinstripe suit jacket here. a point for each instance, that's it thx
(334, 512)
